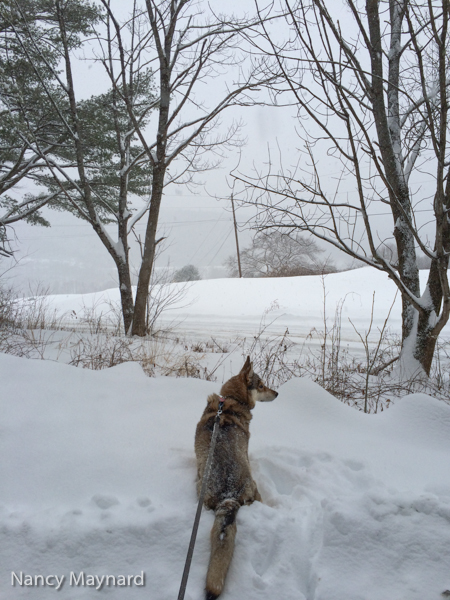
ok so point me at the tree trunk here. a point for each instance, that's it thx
(429, 324)
(159, 172)
(148, 257)
(387, 122)
(126, 294)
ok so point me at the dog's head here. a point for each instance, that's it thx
(256, 388)
(248, 387)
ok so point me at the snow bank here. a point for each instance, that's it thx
(98, 477)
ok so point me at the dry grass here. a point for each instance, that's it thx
(367, 382)
(30, 328)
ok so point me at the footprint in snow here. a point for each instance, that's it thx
(280, 547)
(282, 477)
(104, 502)
(354, 465)
(143, 502)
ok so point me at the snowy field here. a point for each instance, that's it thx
(226, 308)
(230, 313)
(222, 307)
(98, 470)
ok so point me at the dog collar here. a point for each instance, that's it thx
(223, 398)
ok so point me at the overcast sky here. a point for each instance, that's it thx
(197, 223)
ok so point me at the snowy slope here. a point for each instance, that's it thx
(236, 305)
(98, 476)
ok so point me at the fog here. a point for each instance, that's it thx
(196, 222)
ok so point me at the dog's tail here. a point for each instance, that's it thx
(222, 546)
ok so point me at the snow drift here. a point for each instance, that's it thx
(98, 478)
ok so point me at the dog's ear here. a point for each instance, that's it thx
(247, 370)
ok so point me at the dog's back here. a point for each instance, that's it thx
(230, 483)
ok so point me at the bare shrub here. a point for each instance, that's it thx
(371, 355)
(101, 351)
(367, 383)
(162, 297)
(213, 345)
(269, 352)
(185, 366)
(26, 324)
(173, 359)
(33, 312)
(199, 347)
(95, 321)
(8, 307)
(209, 346)
(36, 312)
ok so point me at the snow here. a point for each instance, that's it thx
(119, 249)
(98, 477)
(222, 306)
(98, 474)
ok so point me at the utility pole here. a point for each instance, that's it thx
(236, 236)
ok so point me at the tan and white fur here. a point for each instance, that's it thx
(230, 483)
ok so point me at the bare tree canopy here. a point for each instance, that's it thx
(370, 84)
(276, 254)
(186, 273)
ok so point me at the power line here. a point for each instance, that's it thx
(82, 235)
(220, 248)
(204, 240)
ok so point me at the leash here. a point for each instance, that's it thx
(205, 479)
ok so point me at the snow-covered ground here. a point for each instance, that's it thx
(98, 469)
(222, 307)
(98, 477)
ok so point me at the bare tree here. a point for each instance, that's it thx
(274, 254)
(105, 150)
(372, 99)
(190, 46)
(186, 273)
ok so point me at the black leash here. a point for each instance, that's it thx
(206, 473)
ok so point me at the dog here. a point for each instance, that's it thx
(230, 483)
